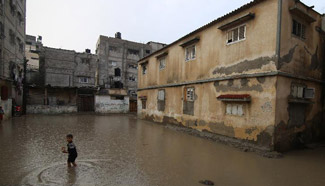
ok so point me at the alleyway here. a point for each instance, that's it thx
(121, 150)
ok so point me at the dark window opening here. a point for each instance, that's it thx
(4, 93)
(148, 51)
(144, 104)
(133, 52)
(117, 97)
(298, 29)
(117, 72)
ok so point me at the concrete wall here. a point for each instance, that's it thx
(252, 66)
(215, 58)
(209, 114)
(303, 59)
(105, 104)
(237, 68)
(64, 68)
(51, 109)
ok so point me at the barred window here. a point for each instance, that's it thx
(298, 29)
(190, 53)
(237, 34)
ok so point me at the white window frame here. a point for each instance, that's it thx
(232, 32)
(162, 61)
(192, 57)
(190, 94)
(161, 95)
(235, 109)
(83, 78)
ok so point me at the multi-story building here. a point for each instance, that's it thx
(65, 81)
(255, 74)
(12, 37)
(117, 68)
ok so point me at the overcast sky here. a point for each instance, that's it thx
(76, 24)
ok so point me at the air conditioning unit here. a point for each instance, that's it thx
(309, 93)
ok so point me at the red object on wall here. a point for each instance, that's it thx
(234, 96)
(4, 93)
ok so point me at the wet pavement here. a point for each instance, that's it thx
(121, 150)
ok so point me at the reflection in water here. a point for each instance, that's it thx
(72, 176)
(121, 150)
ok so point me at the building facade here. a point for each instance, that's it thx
(117, 68)
(255, 74)
(65, 81)
(12, 37)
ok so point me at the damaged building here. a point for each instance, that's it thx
(12, 37)
(65, 81)
(117, 72)
(255, 74)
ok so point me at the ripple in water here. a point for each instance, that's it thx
(88, 172)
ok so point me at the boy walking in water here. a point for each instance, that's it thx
(72, 151)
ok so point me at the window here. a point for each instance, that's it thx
(133, 66)
(161, 95)
(190, 53)
(113, 63)
(235, 109)
(132, 78)
(83, 79)
(133, 52)
(144, 69)
(302, 92)
(162, 63)
(298, 29)
(148, 51)
(117, 97)
(2, 30)
(21, 47)
(237, 34)
(144, 104)
(190, 94)
(113, 49)
(12, 37)
(12, 7)
(117, 72)
(85, 60)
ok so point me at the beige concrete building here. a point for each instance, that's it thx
(12, 37)
(254, 74)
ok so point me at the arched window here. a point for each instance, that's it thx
(118, 72)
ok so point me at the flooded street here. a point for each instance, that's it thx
(121, 150)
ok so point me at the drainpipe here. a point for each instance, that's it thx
(278, 34)
(278, 57)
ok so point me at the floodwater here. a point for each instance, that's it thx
(121, 150)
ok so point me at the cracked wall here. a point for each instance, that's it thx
(209, 114)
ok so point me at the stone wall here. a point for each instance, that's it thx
(50, 109)
(106, 104)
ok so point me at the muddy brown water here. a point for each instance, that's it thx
(122, 150)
